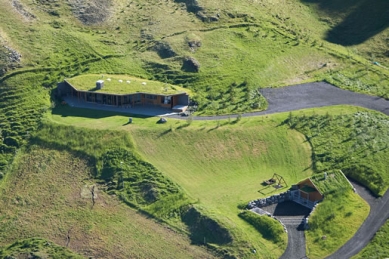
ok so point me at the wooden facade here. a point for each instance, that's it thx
(126, 100)
(309, 191)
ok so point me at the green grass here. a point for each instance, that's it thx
(47, 194)
(355, 142)
(38, 248)
(270, 228)
(333, 180)
(218, 176)
(378, 247)
(253, 45)
(334, 221)
(224, 166)
(127, 85)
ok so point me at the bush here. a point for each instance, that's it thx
(268, 227)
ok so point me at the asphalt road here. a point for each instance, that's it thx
(320, 94)
(379, 213)
(310, 95)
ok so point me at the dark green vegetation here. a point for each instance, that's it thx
(222, 51)
(37, 248)
(355, 143)
(378, 247)
(61, 199)
(268, 227)
(330, 181)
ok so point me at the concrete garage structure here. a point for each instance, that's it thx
(124, 91)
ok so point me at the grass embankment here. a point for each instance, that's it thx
(37, 248)
(378, 247)
(128, 84)
(334, 222)
(219, 164)
(356, 143)
(48, 194)
(337, 217)
(268, 227)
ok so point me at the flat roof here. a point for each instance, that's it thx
(123, 84)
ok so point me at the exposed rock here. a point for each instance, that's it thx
(9, 58)
(194, 44)
(91, 12)
(192, 6)
(190, 65)
(164, 50)
(22, 10)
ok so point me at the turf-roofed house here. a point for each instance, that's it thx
(124, 91)
(312, 190)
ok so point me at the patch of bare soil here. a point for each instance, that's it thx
(91, 12)
(9, 58)
(27, 15)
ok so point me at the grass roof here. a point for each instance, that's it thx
(334, 180)
(123, 84)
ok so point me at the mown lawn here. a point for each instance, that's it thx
(219, 164)
(48, 195)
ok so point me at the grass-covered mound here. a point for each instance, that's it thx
(334, 221)
(37, 248)
(356, 143)
(126, 85)
(378, 247)
(268, 227)
(51, 193)
(330, 181)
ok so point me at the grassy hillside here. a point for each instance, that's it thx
(378, 247)
(333, 222)
(36, 248)
(219, 164)
(240, 46)
(354, 142)
(222, 51)
(48, 195)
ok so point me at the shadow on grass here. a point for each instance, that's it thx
(65, 111)
(364, 19)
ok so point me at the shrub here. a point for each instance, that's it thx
(268, 227)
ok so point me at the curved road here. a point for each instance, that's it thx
(313, 95)
(310, 95)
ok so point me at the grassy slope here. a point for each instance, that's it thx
(65, 48)
(219, 167)
(378, 247)
(354, 142)
(35, 201)
(37, 247)
(333, 222)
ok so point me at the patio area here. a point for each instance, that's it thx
(146, 110)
